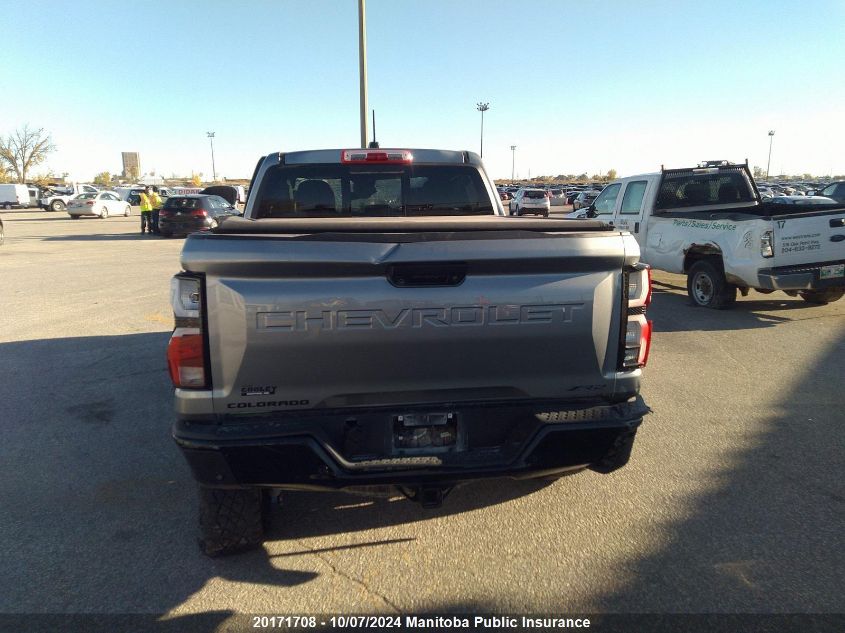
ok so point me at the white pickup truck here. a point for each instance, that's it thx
(709, 223)
(57, 201)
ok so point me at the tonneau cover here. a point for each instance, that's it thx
(426, 224)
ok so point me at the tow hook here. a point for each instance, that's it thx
(431, 497)
(427, 496)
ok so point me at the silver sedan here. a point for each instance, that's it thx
(102, 205)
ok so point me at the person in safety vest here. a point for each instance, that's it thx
(155, 200)
(146, 210)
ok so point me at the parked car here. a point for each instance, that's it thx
(181, 215)
(835, 190)
(58, 198)
(530, 202)
(584, 200)
(557, 197)
(102, 204)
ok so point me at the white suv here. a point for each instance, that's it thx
(530, 201)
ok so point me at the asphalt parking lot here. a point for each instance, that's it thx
(733, 500)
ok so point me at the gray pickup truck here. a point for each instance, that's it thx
(375, 320)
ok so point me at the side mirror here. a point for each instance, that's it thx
(591, 211)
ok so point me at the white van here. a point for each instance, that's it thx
(14, 196)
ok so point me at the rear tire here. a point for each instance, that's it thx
(822, 297)
(75, 217)
(127, 212)
(231, 521)
(708, 288)
(7, 206)
(57, 205)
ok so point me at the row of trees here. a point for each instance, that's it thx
(582, 177)
(26, 148)
(21, 151)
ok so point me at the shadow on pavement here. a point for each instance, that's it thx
(763, 532)
(672, 312)
(99, 237)
(101, 506)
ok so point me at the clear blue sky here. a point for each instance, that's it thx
(577, 86)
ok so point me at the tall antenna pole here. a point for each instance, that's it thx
(362, 68)
(375, 142)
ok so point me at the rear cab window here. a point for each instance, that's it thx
(535, 194)
(694, 188)
(178, 203)
(332, 190)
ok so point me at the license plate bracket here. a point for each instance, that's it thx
(415, 433)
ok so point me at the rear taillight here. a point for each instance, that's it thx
(163, 213)
(90, 203)
(636, 342)
(199, 213)
(186, 353)
(766, 247)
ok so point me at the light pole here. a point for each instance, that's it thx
(771, 137)
(362, 68)
(210, 136)
(513, 159)
(482, 107)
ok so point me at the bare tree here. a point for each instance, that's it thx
(24, 149)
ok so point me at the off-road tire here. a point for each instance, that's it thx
(708, 288)
(822, 297)
(231, 521)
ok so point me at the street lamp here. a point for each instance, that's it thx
(362, 68)
(482, 107)
(513, 159)
(210, 136)
(771, 137)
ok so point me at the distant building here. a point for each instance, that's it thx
(131, 164)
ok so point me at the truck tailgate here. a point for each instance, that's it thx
(338, 321)
(809, 238)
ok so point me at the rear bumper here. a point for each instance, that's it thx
(800, 277)
(167, 225)
(331, 452)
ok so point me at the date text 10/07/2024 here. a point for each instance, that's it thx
(417, 622)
